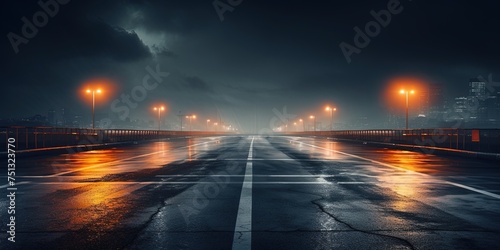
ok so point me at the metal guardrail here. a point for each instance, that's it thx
(46, 137)
(479, 140)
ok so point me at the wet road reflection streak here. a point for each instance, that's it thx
(98, 205)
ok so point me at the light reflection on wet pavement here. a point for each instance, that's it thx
(307, 194)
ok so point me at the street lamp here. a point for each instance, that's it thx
(159, 114)
(98, 91)
(216, 128)
(314, 122)
(406, 92)
(191, 117)
(303, 125)
(208, 121)
(331, 116)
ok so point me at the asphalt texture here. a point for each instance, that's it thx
(252, 192)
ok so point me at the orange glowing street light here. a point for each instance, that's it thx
(98, 91)
(328, 108)
(314, 121)
(191, 117)
(159, 115)
(406, 92)
(216, 126)
(303, 125)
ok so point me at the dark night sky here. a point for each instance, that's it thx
(264, 55)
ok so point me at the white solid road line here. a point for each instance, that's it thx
(227, 183)
(474, 189)
(242, 238)
(407, 170)
(17, 184)
(240, 175)
(108, 163)
(187, 183)
(264, 159)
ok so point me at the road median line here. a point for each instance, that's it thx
(243, 229)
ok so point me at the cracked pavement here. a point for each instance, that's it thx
(306, 193)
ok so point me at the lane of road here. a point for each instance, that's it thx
(242, 192)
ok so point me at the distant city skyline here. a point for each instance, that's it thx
(478, 107)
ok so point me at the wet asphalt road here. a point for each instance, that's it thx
(242, 192)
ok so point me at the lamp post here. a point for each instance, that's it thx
(314, 122)
(159, 114)
(191, 117)
(208, 121)
(98, 91)
(331, 116)
(406, 93)
(303, 125)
